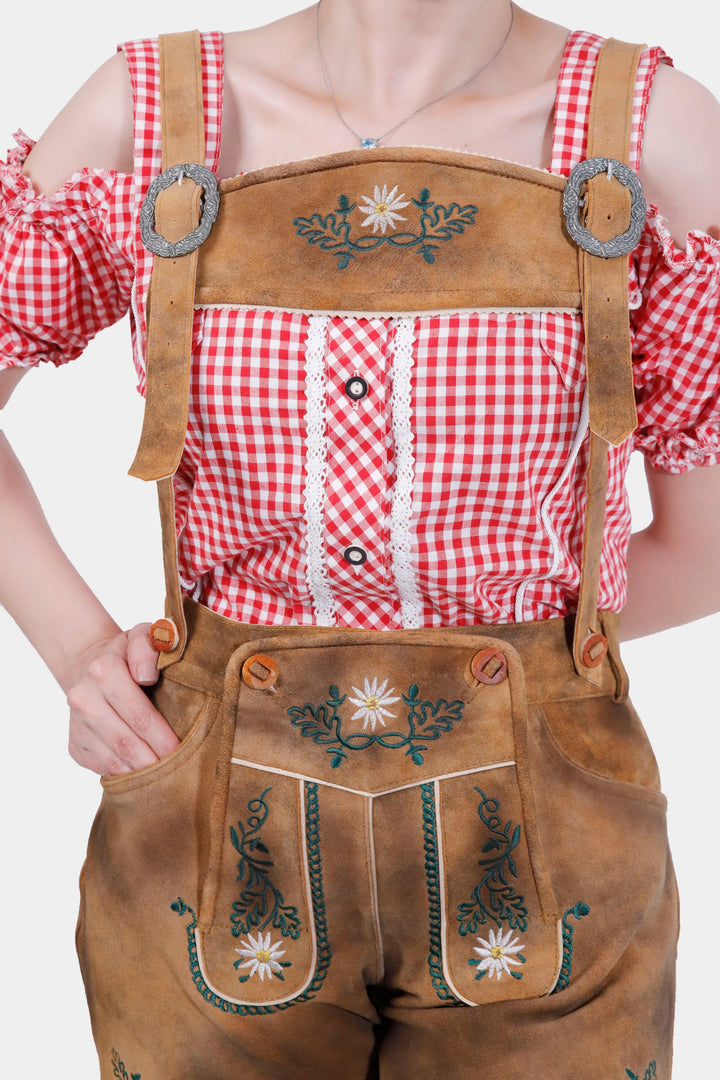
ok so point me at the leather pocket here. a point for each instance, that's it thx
(605, 740)
(191, 715)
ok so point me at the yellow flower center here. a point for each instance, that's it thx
(381, 208)
(263, 955)
(496, 952)
(372, 703)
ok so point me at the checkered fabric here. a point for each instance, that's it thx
(457, 479)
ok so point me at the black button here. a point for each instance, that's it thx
(356, 556)
(356, 387)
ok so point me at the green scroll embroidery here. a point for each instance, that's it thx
(650, 1073)
(579, 911)
(260, 904)
(494, 897)
(324, 953)
(432, 876)
(119, 1069)
(333, 232)
(427, 721)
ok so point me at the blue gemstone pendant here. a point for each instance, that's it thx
(368, 144)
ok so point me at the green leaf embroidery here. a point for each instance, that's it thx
(260, 904)
(650, 1073)
(494, 897)
(333, 231)
(427, 721)
(119, 1070)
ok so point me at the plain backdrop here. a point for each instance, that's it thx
(76, 430)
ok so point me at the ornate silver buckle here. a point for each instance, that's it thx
(211, 204)
(623, 243)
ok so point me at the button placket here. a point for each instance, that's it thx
(357, 440)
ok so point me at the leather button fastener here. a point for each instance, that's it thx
(259, 672)
(594, 650)
(355, 555)
(489, 666)
(164, 635)
(356, 387)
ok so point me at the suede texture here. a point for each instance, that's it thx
(513, 253)
(362, 851)
(380, 866)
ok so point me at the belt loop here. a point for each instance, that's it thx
(173, 597)
(611, 625)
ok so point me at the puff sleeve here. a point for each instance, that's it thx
(64, 275)
(675, 322)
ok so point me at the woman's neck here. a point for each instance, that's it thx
(385, 58)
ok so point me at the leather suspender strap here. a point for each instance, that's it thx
(172, 286)
(604, 281)
(604, 286)
(171, 303)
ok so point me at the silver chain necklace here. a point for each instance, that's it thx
(370, 143)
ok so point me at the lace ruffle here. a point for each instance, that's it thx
(701, 255)
(680, 451)
(85, 192)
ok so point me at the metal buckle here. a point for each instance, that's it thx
(211, 204)
(623, 243)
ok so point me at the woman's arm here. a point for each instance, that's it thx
(94, 130)
(674, 564)
(681, 154)
(113, 725)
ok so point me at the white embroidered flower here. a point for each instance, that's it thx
(372, 702)
(497, 953)
(262, 955)
(382, 209)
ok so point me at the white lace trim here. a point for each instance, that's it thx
(316, 470)
(400, 543)
(552, 536)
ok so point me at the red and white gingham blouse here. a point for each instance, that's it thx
(456, 481)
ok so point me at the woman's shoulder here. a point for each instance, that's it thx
(681, 155)
(93, 131)
(95, 128)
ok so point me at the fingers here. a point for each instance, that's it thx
(114, 727)
(141, 657)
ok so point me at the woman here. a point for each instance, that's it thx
(510, 117)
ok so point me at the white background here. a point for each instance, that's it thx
(76, 430)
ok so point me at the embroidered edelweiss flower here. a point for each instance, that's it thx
(262, 955)
(497, 953)
(382, 209)
(372, 702)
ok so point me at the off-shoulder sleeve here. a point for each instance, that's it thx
(675, 316)
(62, 276)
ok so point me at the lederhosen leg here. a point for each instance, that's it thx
(458, 834)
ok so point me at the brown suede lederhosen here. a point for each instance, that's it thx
(480, 885)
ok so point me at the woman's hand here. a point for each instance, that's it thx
(114, 727)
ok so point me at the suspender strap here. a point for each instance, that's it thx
(171, 300)
(604, 287)
(604, 281)
(172, 286)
